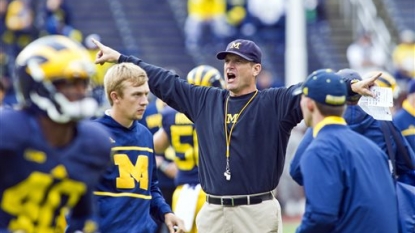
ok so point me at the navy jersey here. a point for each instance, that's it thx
(405, 121)
(152, 116)
(128, 195)
(258, 141)
(182, 137)
(38, 181)
(348, 188)
(152, 120)
(360, 122)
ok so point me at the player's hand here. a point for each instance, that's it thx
(175, 224)
(363, 87)
(105, 54)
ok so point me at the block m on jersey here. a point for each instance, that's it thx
(132, 167)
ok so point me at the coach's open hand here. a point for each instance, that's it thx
(363, 87)
(174, 223)
(105, 54)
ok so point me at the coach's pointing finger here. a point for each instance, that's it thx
(106, 54)
(363, 87)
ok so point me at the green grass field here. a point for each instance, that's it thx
(290, 225)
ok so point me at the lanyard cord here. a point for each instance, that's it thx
(228, 137)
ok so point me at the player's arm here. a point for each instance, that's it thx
(158, 206)
(167, 167)
(295, 169)
(321, 169)
(82, 215)
(161, 141)
(161, 144)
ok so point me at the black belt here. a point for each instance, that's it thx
(235, 201)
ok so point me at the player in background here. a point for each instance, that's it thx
(128, 195)
(405, 117)
(345, 175)
(166, 169)
(179, 132)
(360, 122)
(387, 80)
(51, 159)
(2, 93)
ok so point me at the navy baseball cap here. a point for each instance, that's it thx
(326, 88)
(244, 48)
(319, 71)
(349, 75)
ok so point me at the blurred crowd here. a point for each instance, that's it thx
(210, 24)
(23, 21)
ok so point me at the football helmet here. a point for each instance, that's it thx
(386, 80)
(48, 60)
(205, 75)
(350, 75)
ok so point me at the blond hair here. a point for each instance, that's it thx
(121, 73)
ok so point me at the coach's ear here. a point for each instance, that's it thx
(310, 104)
(257, 69)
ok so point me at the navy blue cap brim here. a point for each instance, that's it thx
(298, 91)
(222, 55)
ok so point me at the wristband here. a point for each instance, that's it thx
(163, 166)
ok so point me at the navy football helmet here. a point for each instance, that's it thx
(48, 60)
(386, 80)
(205, 75)
(350, 75)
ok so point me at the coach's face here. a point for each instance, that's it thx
(240, 74)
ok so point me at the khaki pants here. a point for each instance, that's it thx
(259, 218)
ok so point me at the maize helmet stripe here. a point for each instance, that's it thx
(386, 80)
(190, 76)
(205, 75)
(206, 80)
(58, 59)
(198, 75)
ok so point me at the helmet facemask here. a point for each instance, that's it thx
(47, 98)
